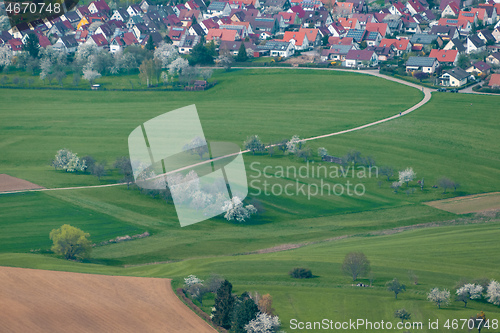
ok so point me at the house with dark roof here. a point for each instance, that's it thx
(455, 77)
(424, 64)
(445, 32)
(475, 44)
(455, 44)
(276, 48)
(480, 68)
(218, 8)
(66, 44)
(494, 59)
(336, 52)
(360, 58)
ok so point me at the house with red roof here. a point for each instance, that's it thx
(451, 10)
(344, 9)
(415, 7)
(464, 26)
(98, 40)
(340, 41)
(313, 36)
(298, 39)
(16, 45)
(401, 46)
(445, 57)
(381, 28)
(99, 6)
(349, 23)
(222, 35)
(494, 81)
(398, 8)
(120, 42)
(469, 16)
(444, 3)
(336, 29)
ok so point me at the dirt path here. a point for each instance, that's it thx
(47, 301)
(427, 96)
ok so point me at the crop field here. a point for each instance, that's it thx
(454, 136)
(469, 204)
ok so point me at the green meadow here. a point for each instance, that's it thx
(454, 135)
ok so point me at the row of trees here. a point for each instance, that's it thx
(163, 64)
(356, 264)
(246, 313)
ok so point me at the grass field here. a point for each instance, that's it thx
(439, 256)
(454, 135)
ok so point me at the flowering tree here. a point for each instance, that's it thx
(5, 56)
(406, 175)
(469, 291)
(294, 144)
(166, 54)
(192, 279)
(322, 152)
(68, 161)
(440, 297)
(264, 323)
(177, 66)
(90, 75)
(493, 292)
(236, 212)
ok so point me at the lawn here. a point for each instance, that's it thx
(454, 135)
(440, 257)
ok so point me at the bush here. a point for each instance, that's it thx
(301, 273)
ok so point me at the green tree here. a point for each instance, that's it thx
(395, 287)
(202, 54)
(224, 303)
(242, 53)
(402, 314)
(71, 242)
(253, 143)
(245, 311)
(463, 61)
(32, 45)
(150, 45)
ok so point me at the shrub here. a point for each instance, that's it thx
(301, 273)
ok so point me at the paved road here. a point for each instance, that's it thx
(427, 96)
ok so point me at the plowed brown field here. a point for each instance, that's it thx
(46, 301)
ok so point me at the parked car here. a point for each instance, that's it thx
(454, 90)
(442, 89)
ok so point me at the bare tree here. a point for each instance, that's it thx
(355, 264)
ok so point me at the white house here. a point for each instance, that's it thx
(360, 58)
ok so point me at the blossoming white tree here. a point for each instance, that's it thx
(469, 291)
(68, 161)
(407, 175)
(5, 56)
(493, 292)
(294, 144)
(236, 212)
(191, 280)
(177, 66)
(440, 297)
(263, 323)
(166, 53)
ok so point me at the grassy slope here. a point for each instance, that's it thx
(273, 103)
(439, 256)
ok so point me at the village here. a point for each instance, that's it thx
(451, 44)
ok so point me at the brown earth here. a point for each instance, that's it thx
(468, 204)
(9, 183)
(47, 301)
